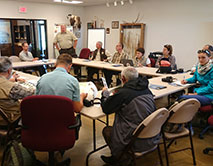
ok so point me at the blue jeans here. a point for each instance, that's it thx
(202, 99)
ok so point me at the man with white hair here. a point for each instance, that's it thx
(100, 54)
(10, 92)
(131, 104)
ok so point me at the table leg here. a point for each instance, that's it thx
(94, 144)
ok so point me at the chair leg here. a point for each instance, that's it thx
(165, 149)
(51, 159)
(192, 147)
(159, 154)
(203, 132)
(170, 143)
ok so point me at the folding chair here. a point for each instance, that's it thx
(181, 113)
(148, 128)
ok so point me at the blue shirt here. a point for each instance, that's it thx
(206, 81)
(59, 83)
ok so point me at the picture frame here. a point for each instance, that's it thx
(132, 37)
(115, 24)
(89, 25)
(108, 31)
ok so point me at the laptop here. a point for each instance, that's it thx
(127, 62)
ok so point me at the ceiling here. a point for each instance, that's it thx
(86, 2)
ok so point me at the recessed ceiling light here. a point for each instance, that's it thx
(122, 2)
(107, 4)
(131, 1)
(72, 2)
(115, 3)
(57, 0)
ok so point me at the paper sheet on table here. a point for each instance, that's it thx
(178, 83)
(89, 88)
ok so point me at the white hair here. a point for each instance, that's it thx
(5, 64)
(100, 43)
(129, 73)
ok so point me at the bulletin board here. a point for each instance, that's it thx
(95, 35)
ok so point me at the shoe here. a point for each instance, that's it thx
(108, 160)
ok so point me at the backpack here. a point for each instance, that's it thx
(165, 66)
(17, 155)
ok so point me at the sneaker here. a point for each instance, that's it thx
(108, 160)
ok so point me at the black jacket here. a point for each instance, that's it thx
(131, 104)
(102, 54)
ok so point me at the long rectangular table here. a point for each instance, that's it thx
(149, 71)
(18, 65)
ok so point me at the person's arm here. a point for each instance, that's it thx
(77, 98)
(55, 42)
(148, 62)
(75, 44)
(111, 104)
(108, 56)
(205, 89)
(192, 79)
(157, 64)
(19, 92)
(173, 63)
(24, 58)
(78, 105)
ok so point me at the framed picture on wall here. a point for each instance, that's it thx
(115, 24)
(132, 37)
(89, 25)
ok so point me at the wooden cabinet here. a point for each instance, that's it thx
(22, 33)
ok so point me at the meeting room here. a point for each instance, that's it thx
(106, 82)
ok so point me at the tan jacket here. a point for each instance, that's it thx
(9, 106)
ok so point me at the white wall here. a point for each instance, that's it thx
(53, 13)
(186, 24)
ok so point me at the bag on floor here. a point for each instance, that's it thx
(17, 155)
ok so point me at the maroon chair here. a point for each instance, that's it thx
(48, 124)
(206, 111)
(85, 53)
(210, 122)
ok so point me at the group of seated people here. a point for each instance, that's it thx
(130, 110)
(100, 54)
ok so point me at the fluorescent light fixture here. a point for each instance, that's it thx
(131, 1)
(115, 3)
(122, 2)
(107, 4)
(57, 0)
(72, 2)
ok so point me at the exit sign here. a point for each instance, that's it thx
(22, 10)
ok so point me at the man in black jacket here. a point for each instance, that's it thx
(131, 105)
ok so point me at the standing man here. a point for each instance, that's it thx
(27, 56)
(66, 42)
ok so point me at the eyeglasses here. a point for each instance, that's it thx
(204, 51)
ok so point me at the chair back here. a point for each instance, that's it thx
(14, 58)
(85, 53)
(151, 126)
(184, 111)
(45, 120)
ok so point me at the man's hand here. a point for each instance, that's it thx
(192, 93)
(35, 59)
(83, 96)
(183, 82)
(104, 89)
